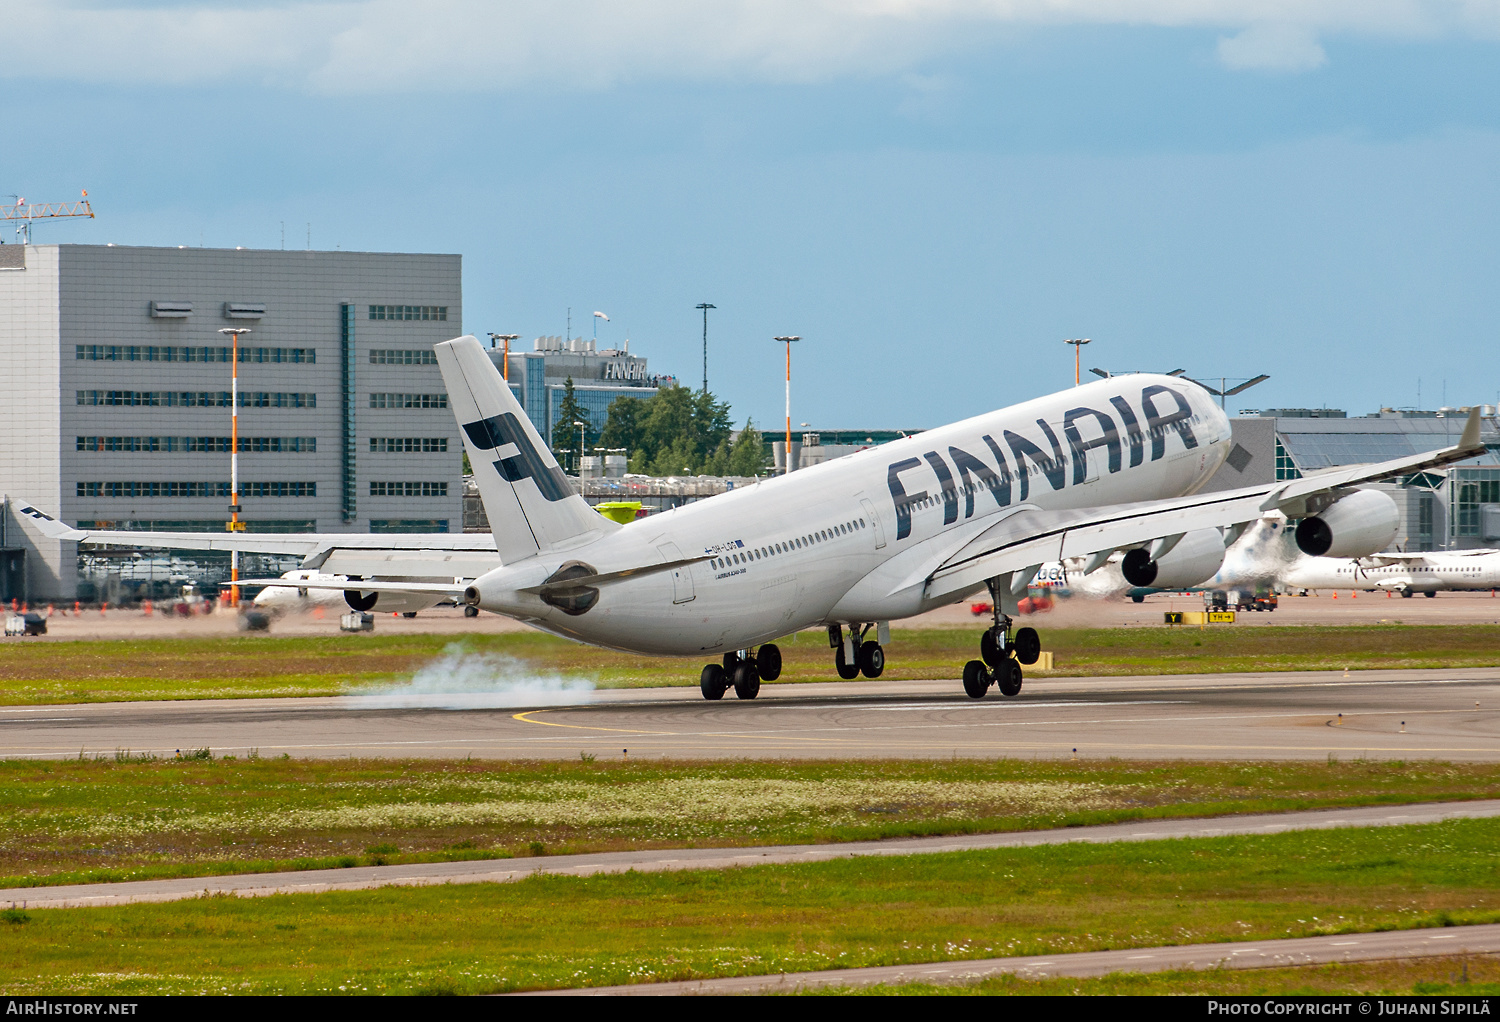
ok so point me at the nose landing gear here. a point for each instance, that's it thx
(868, 656)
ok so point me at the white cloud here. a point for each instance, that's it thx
(1272, 48)
(466, 45)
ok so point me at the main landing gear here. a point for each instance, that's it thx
(869, 655)
(742, 670)
(1001, 655)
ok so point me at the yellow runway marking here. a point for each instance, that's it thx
(525, 718)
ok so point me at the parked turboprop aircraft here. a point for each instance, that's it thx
(1424, 573)
(888, 532)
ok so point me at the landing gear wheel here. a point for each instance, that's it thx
(746, 680)
(1406, 594)
(408, 613)
(1137, 599)
(768, 662)
(1008, 678)
(713, 681)
(976, 679)
(1431, 594)
(471, 612)
(1028, 646)
(992, 648)
(871, 659)
(846, 670)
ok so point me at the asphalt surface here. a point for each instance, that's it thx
(1447, 714)
(252, 885)
(1266, 954)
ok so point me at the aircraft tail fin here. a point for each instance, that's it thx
(531, 505)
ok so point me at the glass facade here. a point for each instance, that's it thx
(1468, 490)
(1286, 468)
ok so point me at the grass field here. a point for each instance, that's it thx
(556, 931)
(265, 666)
(70, 822)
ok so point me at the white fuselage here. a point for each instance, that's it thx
(1429, 573)
(853, 540)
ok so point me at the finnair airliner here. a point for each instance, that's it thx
(855, 543)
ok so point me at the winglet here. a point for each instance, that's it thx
(49, 526)
(1470, 440)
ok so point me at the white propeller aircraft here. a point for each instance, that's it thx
(1408, 574)
(885, 533)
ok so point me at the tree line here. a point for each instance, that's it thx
(674, 432)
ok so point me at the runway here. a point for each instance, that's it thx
(1449, 715)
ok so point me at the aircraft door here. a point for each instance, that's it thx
(874, 520)
(682, 578)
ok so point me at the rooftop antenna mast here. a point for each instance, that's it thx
(25, 213)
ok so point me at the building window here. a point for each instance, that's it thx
(194, 399)
(403, 357)
(1286, 468)
(278, 489)
(200, 444)
(203, 525)
(408, 400)
(409, 445)
(408, 489)
(408, 525)
(169, 353)
(437, 313)
(171, 489)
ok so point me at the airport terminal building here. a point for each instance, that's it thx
(115, 395)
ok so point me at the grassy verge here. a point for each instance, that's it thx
(1456, 976)
(268, 666)
(106, 820)
(557, 931)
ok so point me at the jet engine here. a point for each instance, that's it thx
(1194, 559)
(1360, 524)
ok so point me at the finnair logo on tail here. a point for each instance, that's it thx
(505, 429)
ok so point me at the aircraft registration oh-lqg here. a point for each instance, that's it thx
(886, 533)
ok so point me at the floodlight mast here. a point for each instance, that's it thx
(505, 364)
(704, 307)
(234, 524)
(1078, 343)
(788, 340)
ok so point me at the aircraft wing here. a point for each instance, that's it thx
(303, 544)
(1029, 538)
(453, 589)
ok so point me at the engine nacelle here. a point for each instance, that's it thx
(1196, 558)
(1358, 525)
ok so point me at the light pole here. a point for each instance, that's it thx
(505, 365)
(234, 524)
(704, 306)
(787, 340)
(581, 427)
(1078, 343)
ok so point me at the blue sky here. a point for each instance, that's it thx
(933, 193)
